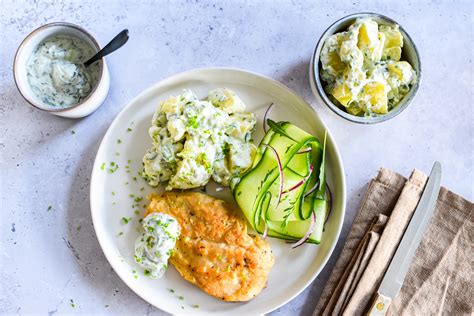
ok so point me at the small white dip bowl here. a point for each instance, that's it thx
(26, 49)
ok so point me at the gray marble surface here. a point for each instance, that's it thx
(50, 258)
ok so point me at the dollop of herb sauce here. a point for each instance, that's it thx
(56, 73)
(156, 244)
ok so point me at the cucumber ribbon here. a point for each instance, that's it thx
(284, 195)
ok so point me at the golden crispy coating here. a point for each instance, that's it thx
(214, 250)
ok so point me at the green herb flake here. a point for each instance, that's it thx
(171, 290)
(73, 132)
(119, 141)
(181, 297)
(50, 207)
(78, 228)
(102, 166)
(196, 305)
(120, 234)
(113, 193)
(129, 130)
(73, 305)
(126, 220)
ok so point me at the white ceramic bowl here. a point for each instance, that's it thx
(409, 53)
(86, 106)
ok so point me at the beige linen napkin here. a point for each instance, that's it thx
(439, 278)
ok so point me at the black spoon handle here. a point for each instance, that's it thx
(112, 46)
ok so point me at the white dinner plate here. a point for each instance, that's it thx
(113, 194)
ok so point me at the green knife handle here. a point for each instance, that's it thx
(380, 305)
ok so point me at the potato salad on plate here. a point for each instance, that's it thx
(195, 140)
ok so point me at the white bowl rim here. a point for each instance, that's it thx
(164, 82)
(315, 78)
(29, 37)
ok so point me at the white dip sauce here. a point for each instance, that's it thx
(156, 244)
(56, 73)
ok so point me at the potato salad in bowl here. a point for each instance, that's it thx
(362, 68)
(195, 140)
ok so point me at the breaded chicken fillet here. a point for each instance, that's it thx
(214, 250)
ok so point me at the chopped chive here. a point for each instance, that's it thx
(119, 141)
(125, 220)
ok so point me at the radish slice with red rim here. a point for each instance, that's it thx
(265, 232)
(301, 182)
(265, 118)
(316, 185)
(304, 151)
(280, 170)
(308, 233)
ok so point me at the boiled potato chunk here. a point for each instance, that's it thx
(392, 35)
(368, 34)
(375, 93)
(227, 100)
(402, 70)
(334, 63)
(393, 53)
(342, 93)
(393, 42)
(354, 110)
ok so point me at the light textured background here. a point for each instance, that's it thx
(43, 163)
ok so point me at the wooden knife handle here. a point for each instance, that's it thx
(380, 305)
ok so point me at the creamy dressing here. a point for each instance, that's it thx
(56, 73)
(155, 246)
(196, 140)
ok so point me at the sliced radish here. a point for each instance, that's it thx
(316, 185)
(301, 182)
(308, 233)
(265, 232)
(304, 151)
(280, 170)
(265, 118)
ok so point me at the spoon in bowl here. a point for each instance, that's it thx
(117, 42)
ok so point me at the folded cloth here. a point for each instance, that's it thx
(439, 278)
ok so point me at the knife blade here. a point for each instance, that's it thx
(395, 275)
